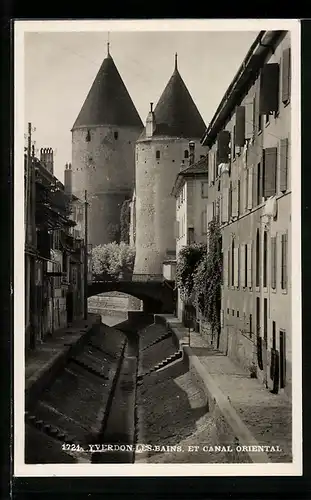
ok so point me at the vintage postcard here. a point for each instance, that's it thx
(157, 248)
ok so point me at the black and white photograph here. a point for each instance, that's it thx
(157, 303)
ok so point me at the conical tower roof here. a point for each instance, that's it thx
(176, 114)
(108, 101)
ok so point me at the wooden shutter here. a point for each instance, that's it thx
(234, 201)
(284, 262)
(225, 205)
(269, 89)
(273, 262)
(225, 269)
(210, 167)
(240, 126)
(254, 186)
(229, 266)
(254, 115)
(283, 164)
(245, 190)
(223, 149)
(239, 197)
(242, 265)
(286, 75)
(249, 264)
(236, 266)
(250, 188)
(215, 167)
(176, 229)
(269, 174)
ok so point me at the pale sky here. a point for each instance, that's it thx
(60, 69)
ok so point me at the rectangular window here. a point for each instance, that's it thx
(284, 262)
(190, 235)
(284, 165)
(259, 123)
(204, 222)
(233, 143)
(236, 267)
(269, 171)
(204, 189)
(232, 264)
(246, 265)
(249, 265)
(249, 188)
(265, 320)
(286, 75)
(229, 270)
(273, 262)
(240, 126)
(250, 326)
(265, 259)
(230, 202)
(239, 197)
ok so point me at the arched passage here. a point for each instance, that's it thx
(157, 297)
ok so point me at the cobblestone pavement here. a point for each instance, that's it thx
(267, 416)
(173, 412)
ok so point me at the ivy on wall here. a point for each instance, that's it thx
(188, 259)
(199, 275)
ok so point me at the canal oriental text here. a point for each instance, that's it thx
(143, 448)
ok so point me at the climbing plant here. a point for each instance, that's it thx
(207, 279)
(125, 221)
(189, 257)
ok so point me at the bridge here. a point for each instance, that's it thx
(157, 294)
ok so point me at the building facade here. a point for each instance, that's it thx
(103, 152)
(53, 253)
(191, 194)
(249, 142)
(161, 148)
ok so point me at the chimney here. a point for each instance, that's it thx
(191, 152)
(150, 122)
(46, 158)
(68, 179)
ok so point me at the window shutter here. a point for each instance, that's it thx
(240, 126)
(249, 264)
(269, 167)
(286, 75)
(236, 266)
(242, 265)
(235, 201)
(254, 116)
(210, 166)
(238, 196)
(284, 262)
(273, 262)
(254, 187)
(269, 89)
(215, 167)
(250, 188)
(225, 205)
(283, 164)
(223, 148)
(225, 268)
(245, 190)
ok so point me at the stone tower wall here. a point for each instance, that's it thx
(155, 207)
(103, 163)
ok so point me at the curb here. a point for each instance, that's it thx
(216, 396)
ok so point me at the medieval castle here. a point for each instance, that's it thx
(115, 158)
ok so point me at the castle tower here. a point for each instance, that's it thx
(160, 150)
(103, 152)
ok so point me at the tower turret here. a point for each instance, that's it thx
(176, 121)
(103, 151)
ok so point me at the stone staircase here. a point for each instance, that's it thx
(164, 363)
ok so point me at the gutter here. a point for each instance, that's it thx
(263, 44)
